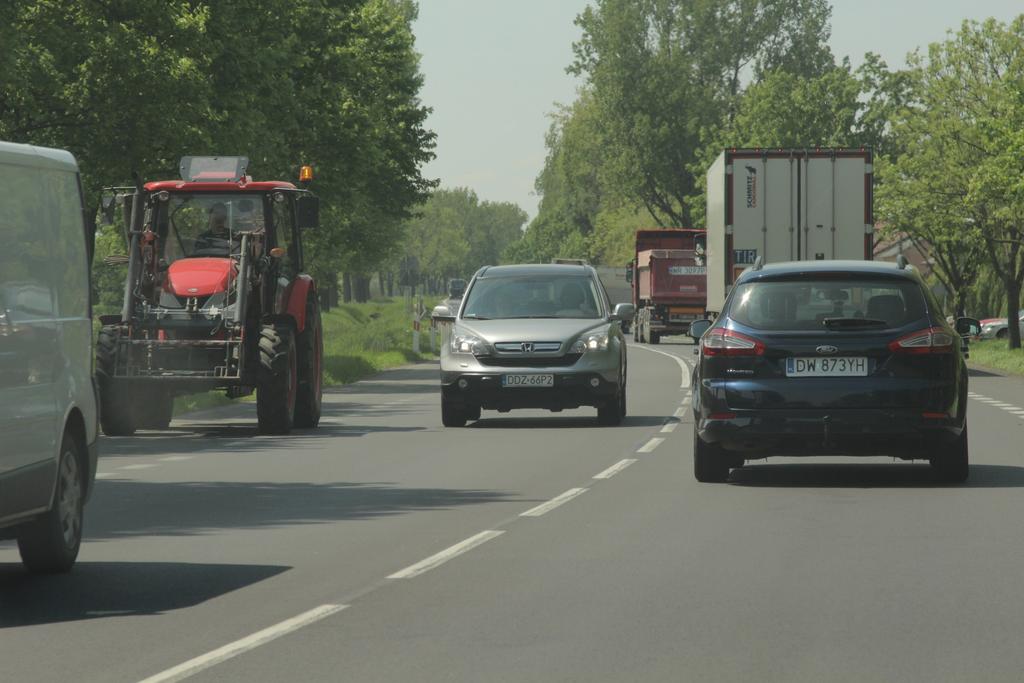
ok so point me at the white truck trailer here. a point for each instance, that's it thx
(785, 205)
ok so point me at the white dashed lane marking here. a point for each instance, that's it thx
(194, 666)
(137, 467)
(650, 445)
(615, 469)
(1002, 405)
(448, 553)
(669, 427)
(558, 500)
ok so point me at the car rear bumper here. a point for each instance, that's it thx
(570, 390)
(897, 433)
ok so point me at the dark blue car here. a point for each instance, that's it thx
(831, 358)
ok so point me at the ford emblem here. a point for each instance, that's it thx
(827, 350)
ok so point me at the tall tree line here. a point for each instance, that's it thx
(133, 85)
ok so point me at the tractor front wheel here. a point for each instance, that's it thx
(276, 393)
(117, 409)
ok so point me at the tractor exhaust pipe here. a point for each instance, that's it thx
(242, 283)
(134, 228)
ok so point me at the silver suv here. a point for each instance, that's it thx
(533, 336)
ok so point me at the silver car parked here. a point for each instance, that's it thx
(533, 336)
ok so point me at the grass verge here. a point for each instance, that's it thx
(363, 339)
(360, 340)
(993, 354)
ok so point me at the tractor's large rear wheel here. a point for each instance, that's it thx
(278, 387)
(310, 348)
(117, 409)
(154, 410)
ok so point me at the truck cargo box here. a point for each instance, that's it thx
(785, 205)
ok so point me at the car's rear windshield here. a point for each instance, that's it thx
(811, 304)
(533, 296)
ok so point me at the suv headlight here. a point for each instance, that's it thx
(468, 343)
(596, 341)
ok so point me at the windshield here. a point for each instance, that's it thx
(207, 224)
(533, 296)
(813, 305)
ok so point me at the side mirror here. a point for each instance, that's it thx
(698, 328)
(307, 212)
(624, 312)
(629, 273)
(108, 206)
(442, 313)
(968, 327)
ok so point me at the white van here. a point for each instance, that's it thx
(48, 413)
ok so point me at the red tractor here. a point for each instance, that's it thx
(215, 298)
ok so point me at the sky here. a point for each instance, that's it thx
(494, 71)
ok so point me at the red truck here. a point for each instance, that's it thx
(669, 279)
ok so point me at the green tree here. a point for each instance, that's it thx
(663, 71)
(454, 233)
(963, 131)
(133, 86)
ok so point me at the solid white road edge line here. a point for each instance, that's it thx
(683, 367)
(177, 458)
(136, 467)
(194, 666)
(615, 469)
(445, 555)
(560, 499)
(669, 428)
(650, 445)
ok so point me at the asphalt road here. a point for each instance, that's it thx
(527, 547)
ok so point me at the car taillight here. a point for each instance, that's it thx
(723, 342)
(930, 340)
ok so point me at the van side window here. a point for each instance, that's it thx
(68, 249)
(26, 292)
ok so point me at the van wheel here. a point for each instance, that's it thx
(710, 464)
(952, 465)
(655, 337)
(473, 413)
(310, 364)
(275, 395)
(117, 409)
(1003, 333)
(50, 543)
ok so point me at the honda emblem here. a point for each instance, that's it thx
(527, 347)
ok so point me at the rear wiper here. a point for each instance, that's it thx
(854, 322)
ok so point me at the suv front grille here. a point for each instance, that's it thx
(529, 361)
